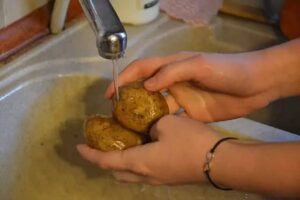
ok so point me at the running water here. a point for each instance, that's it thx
(115, 77)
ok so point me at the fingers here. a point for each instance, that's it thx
(101, 158)
(126, 176)
(172, 104)
(132, 159)
(158, 130)
(195, 102)
(183, 114)
(212, 106)
(136, 70)
(183, 70)
(144, 68)
(129, 177)
(127, 165)
(174, 107)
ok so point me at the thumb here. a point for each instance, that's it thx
(184, 70)
(195, 102)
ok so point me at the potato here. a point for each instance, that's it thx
(106, 134)
(137, 108)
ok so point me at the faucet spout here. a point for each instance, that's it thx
(111, 37)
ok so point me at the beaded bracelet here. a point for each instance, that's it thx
(209, 157)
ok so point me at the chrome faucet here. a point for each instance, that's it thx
(111, 37)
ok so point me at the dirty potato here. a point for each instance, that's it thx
(106, 134)
(137, 108)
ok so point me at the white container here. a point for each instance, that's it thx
(136, 12)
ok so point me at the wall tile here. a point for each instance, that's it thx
(12, 10)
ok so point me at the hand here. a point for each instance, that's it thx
(210, 87)
(176, 156)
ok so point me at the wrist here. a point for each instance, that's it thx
(232, 164)
(280, 66)
(209, 159)
(221, 164)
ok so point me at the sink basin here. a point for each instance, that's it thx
(42, 117)
(283, 114)
(224, 35)
(46, 95)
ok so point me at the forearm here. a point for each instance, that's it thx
(259, 167)
(282, 64)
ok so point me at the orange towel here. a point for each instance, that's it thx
(290, 18)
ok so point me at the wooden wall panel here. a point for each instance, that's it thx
(31, 28)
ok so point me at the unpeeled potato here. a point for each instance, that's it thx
(106, 134)
(138, 108)
(134, 113)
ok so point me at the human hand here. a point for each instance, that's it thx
(209, 86)
(176, 156)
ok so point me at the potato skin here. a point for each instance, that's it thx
(105, 134)
(137, 108)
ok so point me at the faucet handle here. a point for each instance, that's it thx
(111, 37)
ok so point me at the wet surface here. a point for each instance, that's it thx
(48, 165)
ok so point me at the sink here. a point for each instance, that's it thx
(283, 114)
(46, 94)
(223, 35)
(41, 124)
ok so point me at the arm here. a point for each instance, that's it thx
(269, 168)
(177, 156)
(282, 63)
(220, 86)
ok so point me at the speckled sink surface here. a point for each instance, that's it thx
(46, 94)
